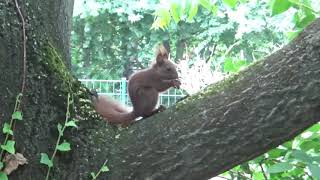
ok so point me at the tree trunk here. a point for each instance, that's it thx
(202, 136)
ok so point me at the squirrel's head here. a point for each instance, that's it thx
(164, 68)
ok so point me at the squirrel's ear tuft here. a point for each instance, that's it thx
(161, 54)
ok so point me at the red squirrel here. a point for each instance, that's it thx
(144, 87)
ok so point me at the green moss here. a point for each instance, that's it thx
(63, 83)
(55, 64)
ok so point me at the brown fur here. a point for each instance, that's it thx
(143, 87)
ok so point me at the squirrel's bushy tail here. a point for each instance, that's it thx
(112, 110)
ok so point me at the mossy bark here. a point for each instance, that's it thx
(202, 136)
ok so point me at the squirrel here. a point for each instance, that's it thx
(144, 87)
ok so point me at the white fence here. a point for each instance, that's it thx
(118, 90)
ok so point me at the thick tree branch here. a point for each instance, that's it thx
(229, 123)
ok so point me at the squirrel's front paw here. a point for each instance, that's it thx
(176, 83)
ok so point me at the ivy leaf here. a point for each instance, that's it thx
(65, 146)
(280, 6)
(9, 147)
(71, 123)
(231, 3)
(59, 127)
(93, 175)
(315, 170)
(3, 176)
(1, 165)
(17, 115)
(45, 160)
(280, 167)
(7, 129)
(104, 169)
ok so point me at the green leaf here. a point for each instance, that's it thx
(9, 147)
(231, 3)
(93, 175)
(305, 21)
(175, 9)
(315, 128)
(288, 145)
(7, 129)
(193, 11)
(315, 170)
(233, 66)
(280, 6)
(275, 153)
(258, 175)
(302, 156)
(45, 160)
(1, 165)
(293, 34)
(280, 167)
(308, 145)
(17, 115)
(3, 176)
(215, 10)
(206, 4)
(65, 146)
(71, 123)
(59, 127)
(104, 169)
(228, 65)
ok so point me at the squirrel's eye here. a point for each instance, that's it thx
(168, 69)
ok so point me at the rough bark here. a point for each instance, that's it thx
(202, 136)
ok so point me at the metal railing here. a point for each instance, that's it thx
(118, 90)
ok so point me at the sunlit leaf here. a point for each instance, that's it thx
(279, 6)
(231, 3)
(193, 11)
(175, 10)
(206, 4)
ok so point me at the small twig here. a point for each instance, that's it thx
(24, 46)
